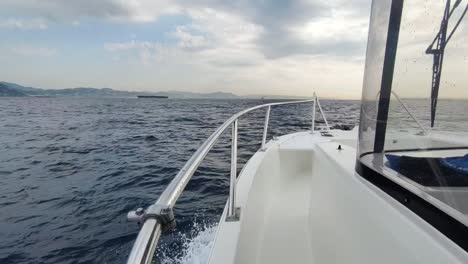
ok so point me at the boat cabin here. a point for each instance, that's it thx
(418, 152)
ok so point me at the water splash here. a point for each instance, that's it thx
(197, 249)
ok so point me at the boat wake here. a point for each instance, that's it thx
(196, 250)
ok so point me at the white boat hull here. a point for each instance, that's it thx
(301, 202)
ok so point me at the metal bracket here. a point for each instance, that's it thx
(136, 216)
(235, 217)
(163, 214)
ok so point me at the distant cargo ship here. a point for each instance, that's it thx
(152, 96)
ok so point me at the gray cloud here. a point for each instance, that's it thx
(279, 44)
(267, 13)
(63, 9)
(275, 17)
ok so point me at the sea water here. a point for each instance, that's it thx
(71, 168)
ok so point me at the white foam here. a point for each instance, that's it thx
(196, 250)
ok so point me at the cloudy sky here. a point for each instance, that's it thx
(245, 47)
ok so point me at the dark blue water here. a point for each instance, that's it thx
(71, 169)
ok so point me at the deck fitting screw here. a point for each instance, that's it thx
(139, 211)
(339, 147)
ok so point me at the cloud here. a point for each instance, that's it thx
(118, 10)
(146, 52)
(31, 51)
(281, 22)
(213, 39)
(189, 40)
(133, 44)
(23, 24)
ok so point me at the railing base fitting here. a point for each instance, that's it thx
(235, 217)
(164, 216)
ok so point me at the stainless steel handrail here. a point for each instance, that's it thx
(423, 130)
(321, 111)
(409, 113)
(159, 216)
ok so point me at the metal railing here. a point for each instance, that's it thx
(423, 130)
(420, 126)
(159, 217)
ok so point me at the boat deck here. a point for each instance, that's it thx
(290, 209)
(300, 202)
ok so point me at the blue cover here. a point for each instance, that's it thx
(428, 171)
(459, 164)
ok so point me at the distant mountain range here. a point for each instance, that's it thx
(13, 89)
(6, 90)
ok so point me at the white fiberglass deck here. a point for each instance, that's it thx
(302, 203)
(288, 208)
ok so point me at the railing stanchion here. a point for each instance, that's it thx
(265, 128)
(232, 214)
(423, 131)
(313, 114)
(323, 114)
